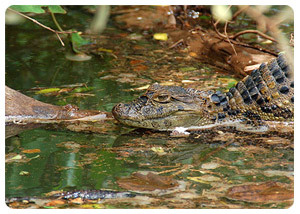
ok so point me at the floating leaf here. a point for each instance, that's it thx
(147, 182)
(158, 150)
(205, 179)
(17, 157)
(93, 206)
(185, 69)
(30, 151)
(76, 201)
(161, 36)
(78, 57)
(104, 50)
(24, 173)
(47, 90)
(37, 156)
(210, 165)
(53, 203)
(264, 192)
(142, 87)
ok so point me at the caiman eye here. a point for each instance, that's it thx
(162, 98)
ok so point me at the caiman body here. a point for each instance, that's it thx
(267, 94)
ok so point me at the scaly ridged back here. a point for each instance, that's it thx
(266, 94)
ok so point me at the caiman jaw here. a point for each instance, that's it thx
(161, 113)
(166, 122)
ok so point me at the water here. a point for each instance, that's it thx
(78, 160)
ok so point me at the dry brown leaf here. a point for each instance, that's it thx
(265, 192)
(147, 182)
(55, 203)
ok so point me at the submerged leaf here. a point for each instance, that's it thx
(79, 57)
(83, 89)
(264, 192)
(147, 182)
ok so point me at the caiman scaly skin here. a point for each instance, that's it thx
(267, 94)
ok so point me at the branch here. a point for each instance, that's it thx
(44, 26)
(225, 31)
(253, 31)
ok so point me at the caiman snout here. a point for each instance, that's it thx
(119, 110)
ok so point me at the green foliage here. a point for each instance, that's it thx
(77, 42)
(38, 8)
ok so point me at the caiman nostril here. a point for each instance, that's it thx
(116, 109)
(120, 105)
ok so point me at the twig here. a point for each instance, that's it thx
(233, 37)
(253, 31)
(216, 29)
(239, 12)
(225, 31)
(44, 26)
(175, 44)
(61, 42)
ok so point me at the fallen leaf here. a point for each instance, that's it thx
(104, 50)
(147, 182)
(55, 203)
(210, 165)
(142, 87)
(158, 150)
(30, 151)
(76, 201)
(161, 36)
(136, 62)
(92, 206)
(205, 179)
(47, 90)
(265, 192)
(186, 69)
(17, 157)
(187, 81)
(193, 54)
(140, 68)
(22, 173)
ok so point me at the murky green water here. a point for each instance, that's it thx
(71, 160)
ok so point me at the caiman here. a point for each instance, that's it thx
(267, 94)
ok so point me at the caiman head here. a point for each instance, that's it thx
(164, 108)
